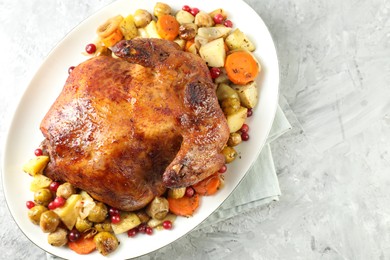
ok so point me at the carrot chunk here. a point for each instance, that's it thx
(167, 27)
(208, 186)
(241, 67)
(184, 206)
(83, 246)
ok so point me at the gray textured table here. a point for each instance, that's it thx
(334, 166)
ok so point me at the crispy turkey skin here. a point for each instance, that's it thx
(126, 129)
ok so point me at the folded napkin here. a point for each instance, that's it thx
(259, 187)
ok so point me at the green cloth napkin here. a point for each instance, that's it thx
(260, 185)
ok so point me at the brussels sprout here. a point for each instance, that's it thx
(158, 208)
(58, 238)
(229, 153)
(83, 224)
(234, 139)
(49, 221)
(230, 105)
(34, 214)
(65, 190)
(98, 213)
(105, 242)
(43, 197)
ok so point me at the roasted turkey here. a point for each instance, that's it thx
(125, 129)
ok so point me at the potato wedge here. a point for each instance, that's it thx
(151, 30)
(184, 17)
(70, 211)
(213, 53)
(247, 93)
(238, 40)
(128, 221)
(128, 28)
(40, 182)
(237, 119)
(36, 165)
(212, 33)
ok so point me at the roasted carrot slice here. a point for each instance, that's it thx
(184, 206)
(208, 186)
(241, 67)
(167, 27)
(83, 246)
(113, 38)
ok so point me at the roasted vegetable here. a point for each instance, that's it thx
(43, 197)
(187, 31)
(105, 226)
(157, 222)
(203, 19)
(177, 193)
(70, 211)
(83, 225)
(142, 18)
(36, 165)
(237, 119)
(98, 213)
(49, 221)
(247, 94)
(237, 40)
(230, 106)
(128, 221)
(212, 33)
(105, 242)
(158, 208)
(229, 153)
(225, 91)
(34, 214)
(59, 237)
(161, 9)
(39, 182)
(128, 28)
(234, 139)
(184, 17)
(65, 190)
(213, 53)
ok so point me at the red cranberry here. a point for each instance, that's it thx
(30, 204)
(228, 23)
(38, 152)
(190, 192)
(59, 202)
(215, 72)
(194, 11)
(115, 219)
(51, 205)
(132, 232)
(218, 19)
(114, 212)
(167, 224)
(54, 186)
(244, 128)
(249, 113)
(142, 228)
(71, 68)
(74, 235)
(223, 169)
(186, 8)
(149, 230)
(244, 136)
(90, 48)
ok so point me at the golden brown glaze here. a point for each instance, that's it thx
(125, 129)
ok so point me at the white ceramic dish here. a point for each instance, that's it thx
(24, 135)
